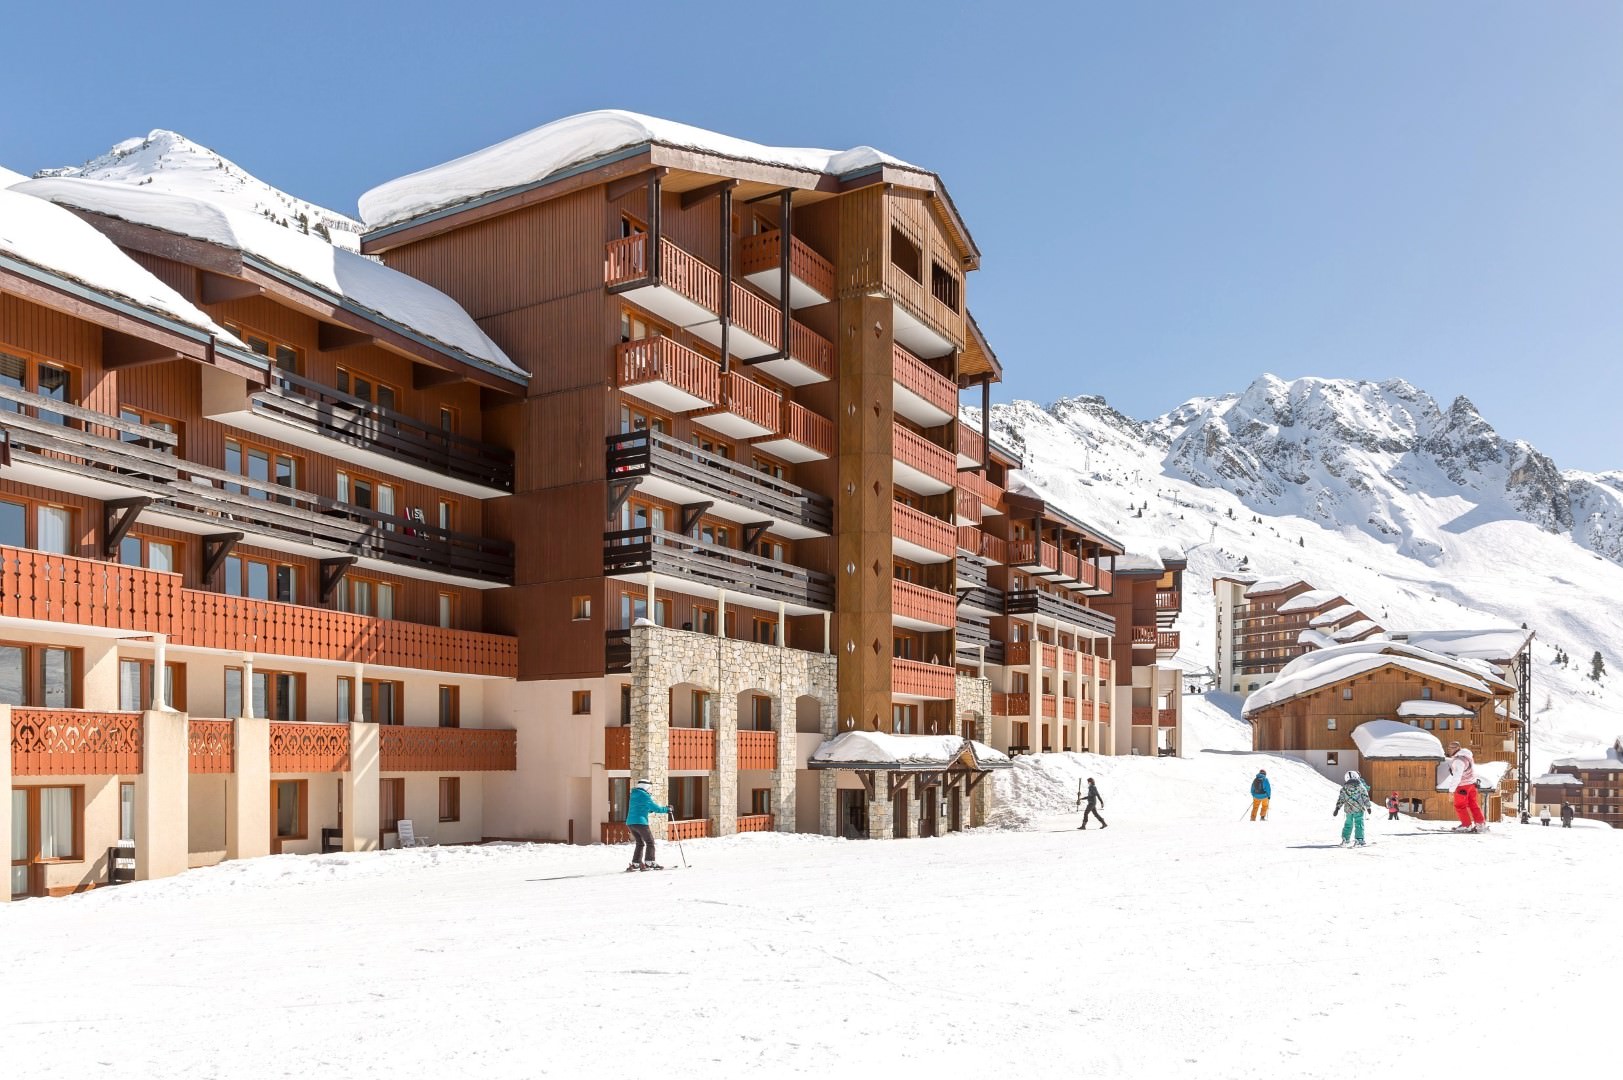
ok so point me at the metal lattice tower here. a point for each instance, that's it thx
(1524, 738)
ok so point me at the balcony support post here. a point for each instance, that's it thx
(356, 696)
(827, 620)
(160, 656)
(117, 517)
(986, 425)
(726, 228)
(782, 613)
(248, 686)
(653, 228)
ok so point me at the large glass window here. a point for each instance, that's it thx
(58, 832)
(54, 530)
(126, 812)
(13, 523)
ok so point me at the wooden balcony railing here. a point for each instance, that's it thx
(757, 317)
(1167, 717)
(1143, 714)
(912, 601)
(1143, 635)
(1106, 582)
(1017, 653)
(971, 444)
(1036, 601)
(210, 745)
(811, 349)
(38, 586)
(1166, 641)
(1016, 704)
(990, 494)
(807, 428)
(916, 527)
(764, 251)
(649, 453)
(993, 549)
(636, 551)
(1069, 708)
(445, 749)
(1050, 706)
(1085, 665)
(1050, 657)
(1067, 661)
(921, 680)
(968, 504)
(616, 749)
(692, 748)
(681, 272)
(297, 748)
(1048, 556)
(1102, 709)
(748, 400)
(662, 360)
(917, 452)
(1168, 599)
(691, 829)
(758, 750)
(73, 742)
(754, 823)
(1087, 574)
(614, 832)
(1070, 566)
(915, 375)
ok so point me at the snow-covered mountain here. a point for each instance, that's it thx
(168, 161)
(1423, 516)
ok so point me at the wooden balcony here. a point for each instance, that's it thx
(919, 537)
(686, 563)
(810, 358)
(307, 414)
(910, 678)
(1168, 599)
(685, 291)
(972, 631)
(210, 746)
(614, 832)
(1103, 585)
(1050, 707)
(74, 742)
(811, 277)
(1018, 653)
(41, 587)
(990, 494)
(754, 823)
(677, 472)
(919, 608)
(966, 507)
(922, 394)
(922, 321)
(970, 446)
(747, 409)
(692, 749)
(1143, 715)
(1067, 661)
(403, 748)
(1037, 602)
(1070, 568)
(801, 436)
(671, 376)
(758, 750)
(1068, 708)
(692, 829)
(1035, 557)
(617, 749)
(1018, 704)
(1101, 710)
(1050, 657)
(1166, 643)
(970, 572)
(300, 748)
(1167, 717)
(994, 549)
(1144, 637)
(920, 465)
(981, 598)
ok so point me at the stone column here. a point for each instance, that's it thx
(785, 780)
(724, 771)
(880, 825)
(650, 724)
(247, 791)
(5, 802)
(162, 796)
(360, 786)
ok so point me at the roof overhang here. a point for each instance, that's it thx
(123, 323)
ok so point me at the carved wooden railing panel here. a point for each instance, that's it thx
(754, 823)
(210, 746)
(297, 748)
(71, 742)
(446, 749)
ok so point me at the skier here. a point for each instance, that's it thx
(1567, 814)
(1544, 816)
(1261, 792)
(1095, 800)
(642, 804)
(1392, 807)
(1354, 798)
(1462, 782)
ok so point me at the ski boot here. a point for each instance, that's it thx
(651, 866)
(633, 867)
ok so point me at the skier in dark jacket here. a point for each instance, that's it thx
(1567, 814)
(1094, 800)
(637, 810)
(1261, 792)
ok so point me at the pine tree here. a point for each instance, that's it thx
(1597, 666)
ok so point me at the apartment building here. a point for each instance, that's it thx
(1592, 782)
(242, 549)
(1145, 604)
(1265, 623)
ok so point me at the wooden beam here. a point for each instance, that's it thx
(219, 289)
(691, 513)
(424, 377)
(215, 549)
(753, 533)
(616, 190)
(693, 198)
(330, 337)
(117, 517)
(332, 572)
(619, 492)
(895, 782)
(119, 350)
(866, 776)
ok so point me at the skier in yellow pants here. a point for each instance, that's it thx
(1261, 790)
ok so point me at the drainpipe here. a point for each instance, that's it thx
(986, 426)
(726, 276)
(786, 247)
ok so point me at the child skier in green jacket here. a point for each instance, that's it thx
(1354, 798)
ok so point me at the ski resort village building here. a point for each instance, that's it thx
(625, 450)
(1265, 623)
(1388, 708)
(1592, 782)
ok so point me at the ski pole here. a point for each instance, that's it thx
(682, 852)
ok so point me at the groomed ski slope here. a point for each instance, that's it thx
(1181, 941)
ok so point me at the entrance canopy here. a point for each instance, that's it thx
(875, 750)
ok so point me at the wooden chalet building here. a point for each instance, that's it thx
(1592, 782)
(242, 548)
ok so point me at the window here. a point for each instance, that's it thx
(580, 702)
(1425, 693)
(704, 619)
(625, 704)
(1330, 724)
(450, 698)
(126, 813)
(619, 797)
(635, 418)
(366, 493)
(361, 385)
(686, 798)
(61, 823)
(1346, 693)
(904, 719)
(277, 695)
(446, 514)
(448, 420)
(53, 530)
(903, 647)
(1426, 723)
(391, 806)
(771, 468)
(48, 380)
(284, 357)
(760, 713)
(712, 445)
(720, 535)
(290, 809)
(40, 676)
(364, 596)
(135, 685)
(383, 701)
(633, 608)
(1333, 757)
(152, 554)
(450, 798)
(446, 610)
(944, 286)
(635, 326)
(760, 800)
(704, 709)
(266, 468)
(905, 255)
(580, 608)
(258, 579)
(766, 631)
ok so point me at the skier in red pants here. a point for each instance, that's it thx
(1462, 781)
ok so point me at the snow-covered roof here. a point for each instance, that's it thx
(1333, 616)
(1492, 643)
(1427, 707)
(540, 152)
(52, 239)
(1020, 482)
(876, 749)
(1395, 739)
(8, 178)
(1308, 601)
(1272, 585)
(1601, 757)
(1316, 639)
(1316, 670)
(1557, 779)
(388, 296)
(1355, 630)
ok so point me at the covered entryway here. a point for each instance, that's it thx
(941, 772)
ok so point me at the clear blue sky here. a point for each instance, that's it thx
(1172, 197)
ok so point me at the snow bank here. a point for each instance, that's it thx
(1394, 739)
(877, 747)
(540, 152)
(8, 178)
(52, 239)
(1426, 707)
(1308, 601)
(392, 296)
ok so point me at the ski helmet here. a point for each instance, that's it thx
(645, 783)
(1350, 777)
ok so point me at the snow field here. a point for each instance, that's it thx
(1179, 942)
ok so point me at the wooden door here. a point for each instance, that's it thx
(929, 811)
(25, 876)
(391, 806)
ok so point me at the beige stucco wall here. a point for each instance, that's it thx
(423, 808)
(207, 819)
(560, 775)
(100, 825)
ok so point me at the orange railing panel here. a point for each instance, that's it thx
(446, 749)
(912, 601)
(812, 349)
(758, 750)
(659, 359)
(210, 746)
(763, 252)
(692, 748)
(917, 452)
(692, 829)
(921, 680)
(296, 748)
(917, 527)
(72, 742)
(1017, 653)
(60, 588)
(807, 428)
(754, 822)
(617, 748)
(914, 374)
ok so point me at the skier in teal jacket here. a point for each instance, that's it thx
(637, 810)
(1353, 798)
